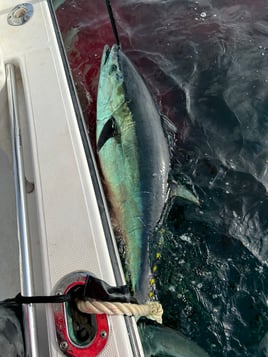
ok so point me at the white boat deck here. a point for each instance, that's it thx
(66, 229)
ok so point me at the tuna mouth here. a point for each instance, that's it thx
(107, 52)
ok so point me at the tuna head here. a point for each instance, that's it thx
(110, 89)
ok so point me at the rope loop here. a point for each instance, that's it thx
(152, 310)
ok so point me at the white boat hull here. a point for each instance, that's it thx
(65, 218)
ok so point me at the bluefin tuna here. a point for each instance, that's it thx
(134, 157)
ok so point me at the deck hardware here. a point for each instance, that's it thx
(20, 14)
(78, 334)
(63, 345)
(103, 334)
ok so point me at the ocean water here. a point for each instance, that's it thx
(206, 63)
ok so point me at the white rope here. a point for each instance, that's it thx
(152, 310)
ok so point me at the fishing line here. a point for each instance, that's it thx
(113, 23)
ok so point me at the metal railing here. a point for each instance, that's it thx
(22, 220)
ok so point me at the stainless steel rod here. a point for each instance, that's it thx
(22, 220)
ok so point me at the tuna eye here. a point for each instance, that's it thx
(113, 68)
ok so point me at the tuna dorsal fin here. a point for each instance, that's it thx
(167, 124)
(108, 131)
(179, 190)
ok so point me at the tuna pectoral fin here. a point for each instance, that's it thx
(167, 342)
(109, 130)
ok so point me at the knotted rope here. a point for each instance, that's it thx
(152, 310)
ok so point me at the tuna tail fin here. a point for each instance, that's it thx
(167, 342)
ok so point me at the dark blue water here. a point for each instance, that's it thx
(206, 63)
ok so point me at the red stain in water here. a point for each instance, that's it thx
(85, 29)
